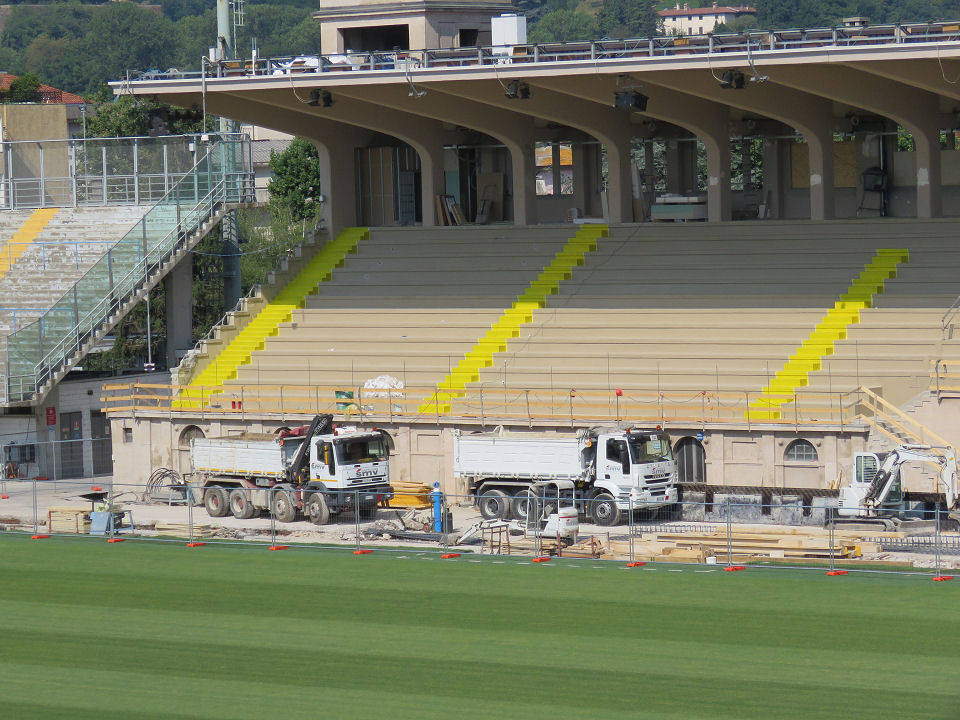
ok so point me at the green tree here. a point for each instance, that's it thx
(629, 18)
(297, 179)
(25, 89)
(562, 25)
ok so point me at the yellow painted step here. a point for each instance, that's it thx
(266, 323)
(25, 235)
(520, 313)
(831, 328)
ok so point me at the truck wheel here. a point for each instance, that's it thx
(215, 501)
(240, 506)
(523, 502)
(284, 507)
(605, 510)
(494, 505)
(317, 509)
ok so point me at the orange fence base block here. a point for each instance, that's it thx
(279, 547)
(96, 488)
(362, 552)
(4, 497)
(941, 578)
(196, 544)
(636, 564)
(837, 572)
(542, 559)
(39, 537)
(734, 568)
(447, 556)
(116, 540)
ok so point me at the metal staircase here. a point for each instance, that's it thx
(41, 353)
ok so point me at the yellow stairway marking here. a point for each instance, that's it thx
(24, 237)
(508, 326)
(831, 328)
(267, 322)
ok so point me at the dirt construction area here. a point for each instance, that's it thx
(59, 507)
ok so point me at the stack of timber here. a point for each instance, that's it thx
(744, 543)
(408, 494)
(182, 530)
(68, 519)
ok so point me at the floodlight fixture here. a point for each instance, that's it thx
(517, 90)
(630, 100)
(733, 80)
(320, 98)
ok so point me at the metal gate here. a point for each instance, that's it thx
(71, 445)
(691, 461)
(102, 448)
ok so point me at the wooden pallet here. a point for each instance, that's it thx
(68, 519)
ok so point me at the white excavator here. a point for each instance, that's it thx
(874, 498)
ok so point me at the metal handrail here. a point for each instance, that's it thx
(752, 42)
(122, 289)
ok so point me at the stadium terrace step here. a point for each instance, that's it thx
(27, 234)
(831, 329)
(508, 326)
(267, 322)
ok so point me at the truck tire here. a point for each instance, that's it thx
(284, 506)
(216, 502)
(317, 509)
(523, 502)
(240, 505)
(605, 510)
(494, 505)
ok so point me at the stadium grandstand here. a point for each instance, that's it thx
(745, 238)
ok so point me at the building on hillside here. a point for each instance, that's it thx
(685, 20)
(385, 25)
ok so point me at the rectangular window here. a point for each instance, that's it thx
(554, 161)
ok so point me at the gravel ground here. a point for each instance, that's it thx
(17, 512)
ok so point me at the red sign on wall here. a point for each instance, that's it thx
(51, 416)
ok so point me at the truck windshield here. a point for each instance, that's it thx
(362, 450)
(649, 448)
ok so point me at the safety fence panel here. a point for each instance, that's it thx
(528, 524)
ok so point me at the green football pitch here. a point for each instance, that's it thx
(145, 630)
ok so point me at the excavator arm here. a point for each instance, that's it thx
(887, 476)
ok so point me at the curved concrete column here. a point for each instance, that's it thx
(612, 128)
(809, 114)
(335, 141)
(424, 136)
(516, 131)
(709, 121)
(916, 110)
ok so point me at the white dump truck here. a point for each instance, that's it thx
(604, 472)
(316, 470)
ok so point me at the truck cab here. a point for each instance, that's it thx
(636, 468)
(347, 462)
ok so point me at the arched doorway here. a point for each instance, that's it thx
(183, 447)
(691, 460)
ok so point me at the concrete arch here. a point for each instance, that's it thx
(517, 132)
(915, 109)
(811, 115)
(613, 129)
(709, 121)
